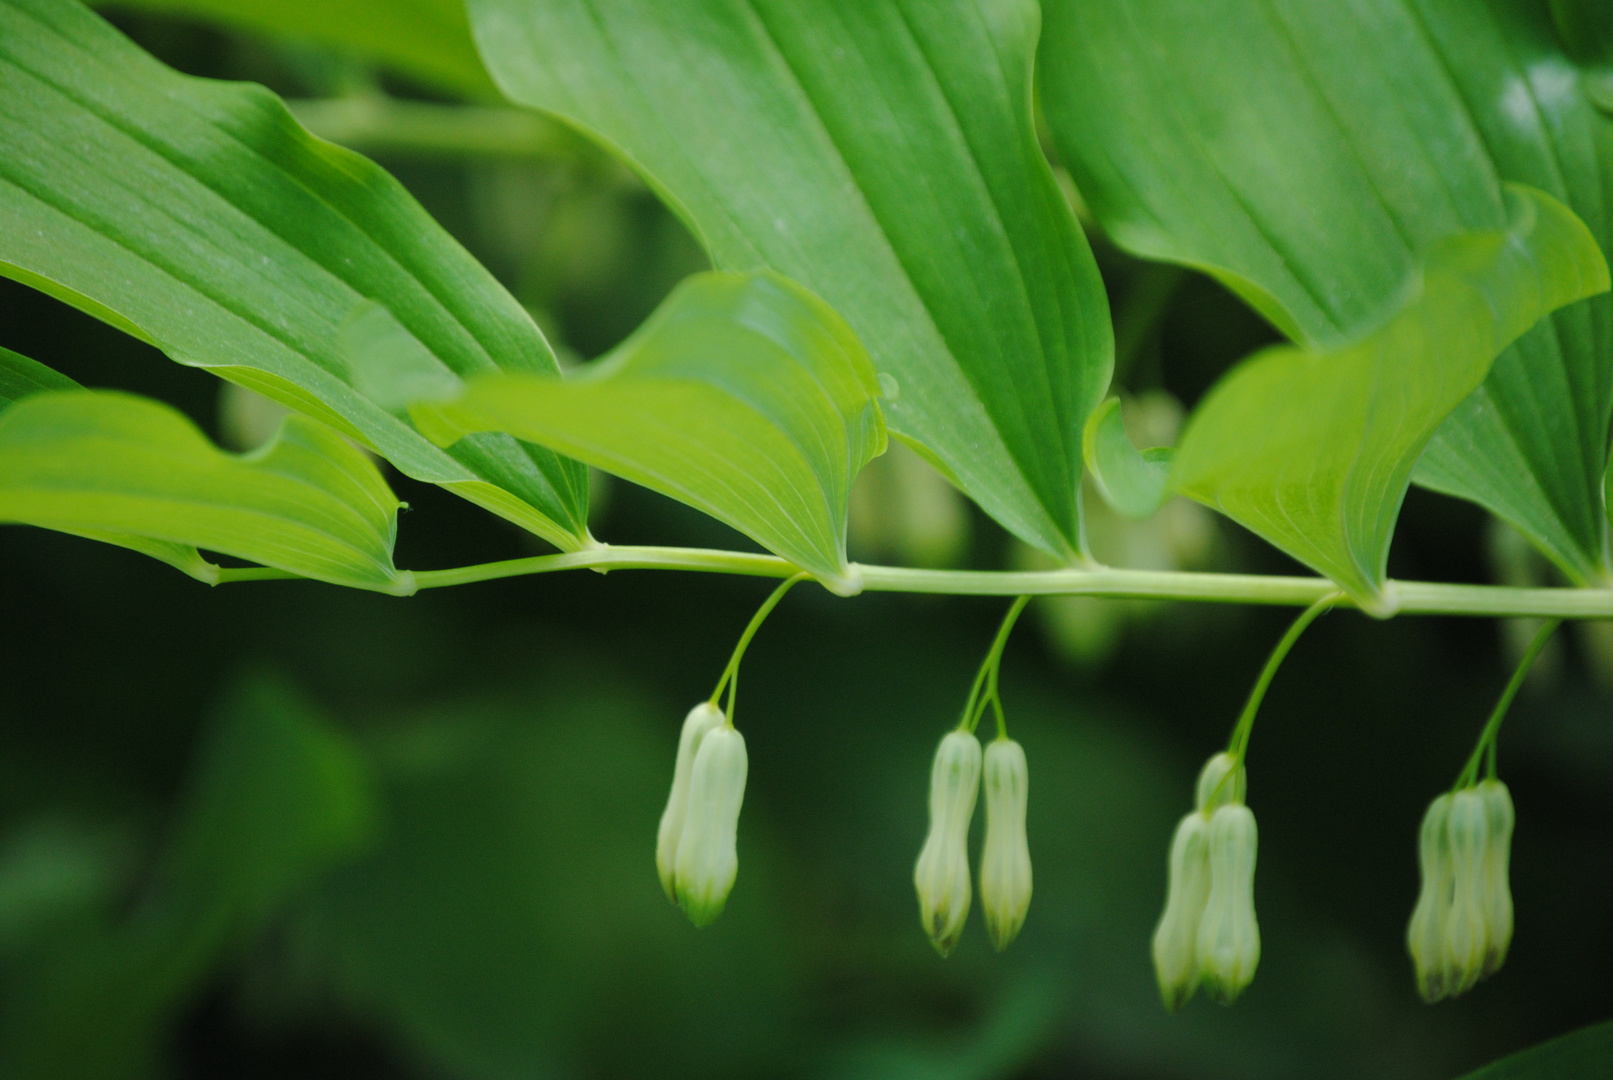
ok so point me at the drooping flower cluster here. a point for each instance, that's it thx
(941, 874)
(696, 848)
(1462, 925)
(1208, 934)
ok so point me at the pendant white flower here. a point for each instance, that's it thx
(1176, 959)
(1208, 934)
(703, 718)
(708, 859)
(1461, 927)
(1497, 889)
(1005, 860)
(941, 875)
(1425, 936)
(1465, 924)
(1229, 936)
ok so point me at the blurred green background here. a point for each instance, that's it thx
(283, 830)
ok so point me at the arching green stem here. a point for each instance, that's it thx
(1486, 744)
(1240, 733)
(984, 690)
(730, 675)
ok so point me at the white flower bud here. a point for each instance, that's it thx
(1216, 787)
(707, 860)
(1496, 892)
(701, 719)
(942, 873)
(1466, 930)
(1005, 860)
(1176, 961)
(1425, 936)
(1228, 936)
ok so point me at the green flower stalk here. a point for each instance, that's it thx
(1005, 860)
(1461, 927)
(707, 857)
(703, 718)
(941, 875)
(1222, 781)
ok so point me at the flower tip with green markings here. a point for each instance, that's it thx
(707, 857)
(941, 875)
(702, 719)
(1005, 858)
(1228, 939)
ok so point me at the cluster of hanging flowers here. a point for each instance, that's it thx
(696, 851)
(941, 875)
(960, 770)
(1462, 924)
(1208, 936)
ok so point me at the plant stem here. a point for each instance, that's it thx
(730, 675)
(1410, 597)
(1240, 734)
(1486, 743)
(987, 675)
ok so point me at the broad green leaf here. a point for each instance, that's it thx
(428, 39)
(116, 467)
(1308, 154)
(198, 216)
(1579, 1055)
(1313, 448)
(883, 154)
(743, 395)
(1134, 482)
(20, 376)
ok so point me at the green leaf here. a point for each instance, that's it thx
(198, 216)
(744, 395)
(1313, 449)
(883, 154)
(20, 376)
(428, 39)
(116, 467)
(1134, 482)
(1308, 154)
(1579, 1055)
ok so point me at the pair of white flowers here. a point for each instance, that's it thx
(1208, 935)
(1462, 925)
(695, 850)
(942, 872)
